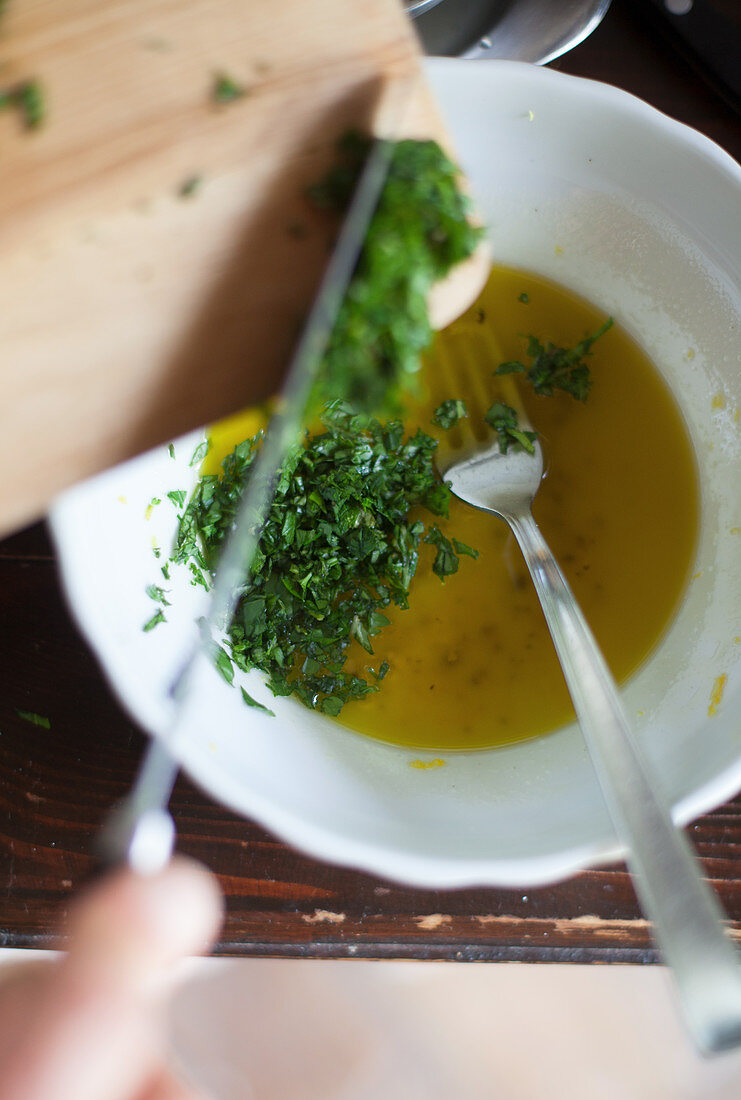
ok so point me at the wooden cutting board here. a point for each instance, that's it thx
(130, 311)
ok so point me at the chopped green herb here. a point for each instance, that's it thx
(166, 570)
(503, 419)
(463, 548)
(449, 413)
(28, 97)
(555, 368)
(446, 560)
(524, 298)
(160, 45)
(171, 449)
(226, 90)
(157, 618)
(154, 502)
(32, 103)
(223, 663)
(419, 231)
(157, 594)
(34, 719)
(200, 452)
(197, 574)
(254, 703)
(190, 186)
(177, 496)
(338, 548)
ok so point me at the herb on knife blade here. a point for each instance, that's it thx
(418, 232)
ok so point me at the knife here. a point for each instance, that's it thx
(140, 831)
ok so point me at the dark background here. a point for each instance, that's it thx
(56, 785)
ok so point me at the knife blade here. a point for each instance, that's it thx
(140, 831)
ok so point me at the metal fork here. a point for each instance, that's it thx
(686, 916)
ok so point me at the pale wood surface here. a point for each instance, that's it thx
(131, 313)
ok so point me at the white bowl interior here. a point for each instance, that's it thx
(592, 188)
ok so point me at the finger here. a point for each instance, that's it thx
(166, 1086)
(96, 1034)
(129, 933)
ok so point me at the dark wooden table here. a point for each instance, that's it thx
(56, 785)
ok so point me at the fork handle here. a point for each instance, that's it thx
(683, 909)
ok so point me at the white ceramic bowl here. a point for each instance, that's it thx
(646, 217)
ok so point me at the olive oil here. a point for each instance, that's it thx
(471, 662)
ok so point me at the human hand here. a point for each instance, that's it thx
(89, 1026)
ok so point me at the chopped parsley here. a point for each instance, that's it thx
(199, 453)
(446, 559)
(223, 663)
(503, 419)
(190, 186)
(338, 549)
(157, 618)
(177, 496)
(34, 719)
(449, 413)
(418, 232)
(555, 368)
(226, 90)
(463, 548)
(158, 594)
(552, 369)
(341, 542)
(28, 98)
(524, 298)
(252, 702)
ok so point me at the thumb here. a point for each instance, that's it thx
(93, 1033)
(128, 931)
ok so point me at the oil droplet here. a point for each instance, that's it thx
(716, 695)
(423, 765)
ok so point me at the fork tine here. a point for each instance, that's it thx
(462, 365)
